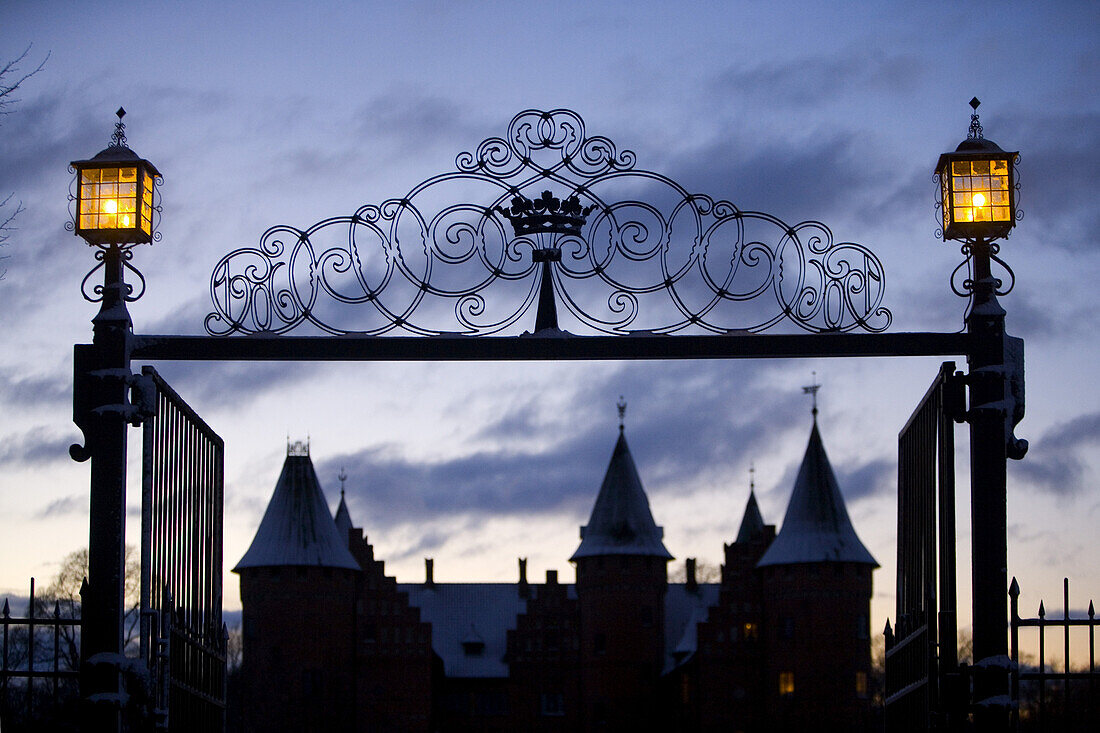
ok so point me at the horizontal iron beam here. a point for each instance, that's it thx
(538, 347)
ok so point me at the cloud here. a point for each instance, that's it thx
(876, 477)
(65, 506)
(36, 447)
(36, 391)
(1054, 463)
(1057, 175)
(806, 83)
(231, 384)
(688, 425)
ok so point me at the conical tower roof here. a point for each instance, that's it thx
(621, 522)
(816, 527)
(343, 518)
(297, 528)
(752, 524)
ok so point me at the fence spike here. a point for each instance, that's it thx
(57, 608)
(1014, 589)
(7, 611)
(1092, 611)
(1042, 610)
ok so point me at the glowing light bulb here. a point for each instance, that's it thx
(110, 206)
(979, 200)
(124, 220)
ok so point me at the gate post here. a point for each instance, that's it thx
(101, 410)
(988, 456)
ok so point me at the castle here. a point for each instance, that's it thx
(782, 642)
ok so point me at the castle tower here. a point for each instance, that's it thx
(621, 582)
(729, 682)
(816, 608)
(297, 591)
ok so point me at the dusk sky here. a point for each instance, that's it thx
(288, 113)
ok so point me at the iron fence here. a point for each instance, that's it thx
(39, 659)
(1045, 698)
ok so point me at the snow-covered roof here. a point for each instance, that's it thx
(465, 615)
(297, 528)
(752, 524)
(462, 612)
(816, 527)
(621, 522)
(684, 611)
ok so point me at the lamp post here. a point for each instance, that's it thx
(114, 210)
(977, 197)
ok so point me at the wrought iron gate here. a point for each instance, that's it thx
(182, 635)
(923, 681)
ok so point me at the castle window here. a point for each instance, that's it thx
(861, 684)
(750, 631)
(786, 683)
(786, 628)
(473, 648)
(552, 704)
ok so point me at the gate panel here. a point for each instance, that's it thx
(183, 637)
(921, 652)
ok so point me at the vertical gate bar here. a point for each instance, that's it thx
(948, 640)
(1014, 648)
(1042, 665)
(146, 546)
(1065, 639)
(1092, 657)
(929, 541)
(30, 654)
(56, 647)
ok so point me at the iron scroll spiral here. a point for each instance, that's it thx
(658, 259)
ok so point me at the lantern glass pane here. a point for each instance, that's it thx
(147, 204)
(108, 198)
(980, 191)
(945, 200)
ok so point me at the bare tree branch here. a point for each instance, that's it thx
(11, 78)
(9, 87)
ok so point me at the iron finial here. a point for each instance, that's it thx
(342, 477)
(812, 391)
(752, 477)
(975, 126)
(118, 139)
(621, 404)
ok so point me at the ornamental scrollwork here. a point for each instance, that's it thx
(548, 212)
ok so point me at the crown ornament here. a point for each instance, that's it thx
(547, 213)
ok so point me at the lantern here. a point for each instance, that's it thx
(977, 187)
(114, 194)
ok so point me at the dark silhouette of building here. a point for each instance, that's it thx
(331, 643)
